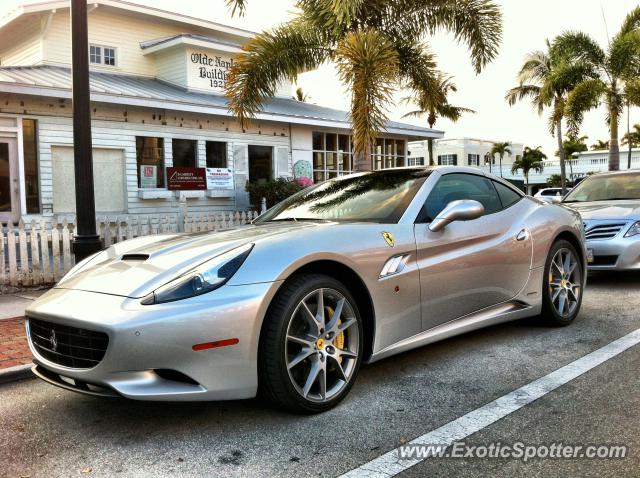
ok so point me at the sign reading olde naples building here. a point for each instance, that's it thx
(186, 179)
(208, 70)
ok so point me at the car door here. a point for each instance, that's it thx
(471, 265)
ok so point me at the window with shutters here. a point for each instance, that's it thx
(448, 160)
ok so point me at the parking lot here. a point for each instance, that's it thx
(46, 431)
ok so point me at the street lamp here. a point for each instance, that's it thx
(86, 241)
(487, 160)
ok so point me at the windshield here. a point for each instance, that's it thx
(380, 196)
(606, 187)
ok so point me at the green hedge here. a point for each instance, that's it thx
(274, 191)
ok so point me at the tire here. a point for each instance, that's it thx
(297, 345)
(562, 286)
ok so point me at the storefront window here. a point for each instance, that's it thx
(216, 154)
(388, 153)
(184, 153)
(30, 147)
(150, 158)
(331, 155)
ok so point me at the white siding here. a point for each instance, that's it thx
(24, 46)
(172, 65)
(57, 131)
(117, 29)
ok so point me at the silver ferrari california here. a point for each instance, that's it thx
(349, 270)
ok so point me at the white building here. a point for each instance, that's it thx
(157, 80)
(462, 152)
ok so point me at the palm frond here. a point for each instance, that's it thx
(584, 97)
(368, 64)
(632, 93)
(237, 6)
(477, 23)
(536, 67)
(624, 55)
(453, 113)
(523, 92)
(578, 46)
(270, 57)
(630, 23)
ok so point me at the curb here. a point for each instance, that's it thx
(18, 372)
(13, 318)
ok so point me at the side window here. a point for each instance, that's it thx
(455, 186)
(507, 195)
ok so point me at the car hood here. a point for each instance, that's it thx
(615, 210)
(136, 267)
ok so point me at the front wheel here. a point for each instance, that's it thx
(563, 284)
(311, 344)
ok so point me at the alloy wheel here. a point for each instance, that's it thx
(322, 345)
(565, 282)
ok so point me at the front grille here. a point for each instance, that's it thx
(68, 346)
(603, 231)
(604, 261)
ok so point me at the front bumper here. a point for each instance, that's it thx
(617, 254)
(146, 341)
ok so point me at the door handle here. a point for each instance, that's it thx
(522, 235)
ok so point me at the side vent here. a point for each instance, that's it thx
(135, 257)
(394, 265)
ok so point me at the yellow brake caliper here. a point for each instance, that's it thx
(339, 340)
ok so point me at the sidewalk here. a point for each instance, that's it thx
(14, 351)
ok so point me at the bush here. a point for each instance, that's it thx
(274, 191)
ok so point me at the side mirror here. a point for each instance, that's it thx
(556, 199)
(462, 210)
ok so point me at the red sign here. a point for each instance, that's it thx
(186, 179)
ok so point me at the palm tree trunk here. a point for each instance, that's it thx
(362, 161)
(501, 164)
(430, 144)
(614, 148)
(563, 169)
(526, 178)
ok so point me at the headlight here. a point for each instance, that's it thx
(206, 277)
(633, 230)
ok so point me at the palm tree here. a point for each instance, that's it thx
(437, 105)
(301, 95)
(614, 81)
(376, 46)
(501, 149)
(600, 145)
(632, 137)
(531, 159)
(546, 79)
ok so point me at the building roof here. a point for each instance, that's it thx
(131, 8)
(55, 81)
(156, 42)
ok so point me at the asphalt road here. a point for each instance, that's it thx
(45, 431)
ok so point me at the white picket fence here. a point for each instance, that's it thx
(39, 253)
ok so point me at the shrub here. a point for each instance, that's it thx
(274, 191)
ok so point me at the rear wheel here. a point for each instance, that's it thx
(563, 284)
(311, 344)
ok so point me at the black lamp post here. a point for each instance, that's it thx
(86, 241)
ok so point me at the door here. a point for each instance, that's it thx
(470, 265)
(260, 164)
(9, 183)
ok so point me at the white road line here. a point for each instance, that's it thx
(389, 465)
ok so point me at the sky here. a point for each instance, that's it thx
(526, 26)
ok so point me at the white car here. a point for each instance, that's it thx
(547, 194)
